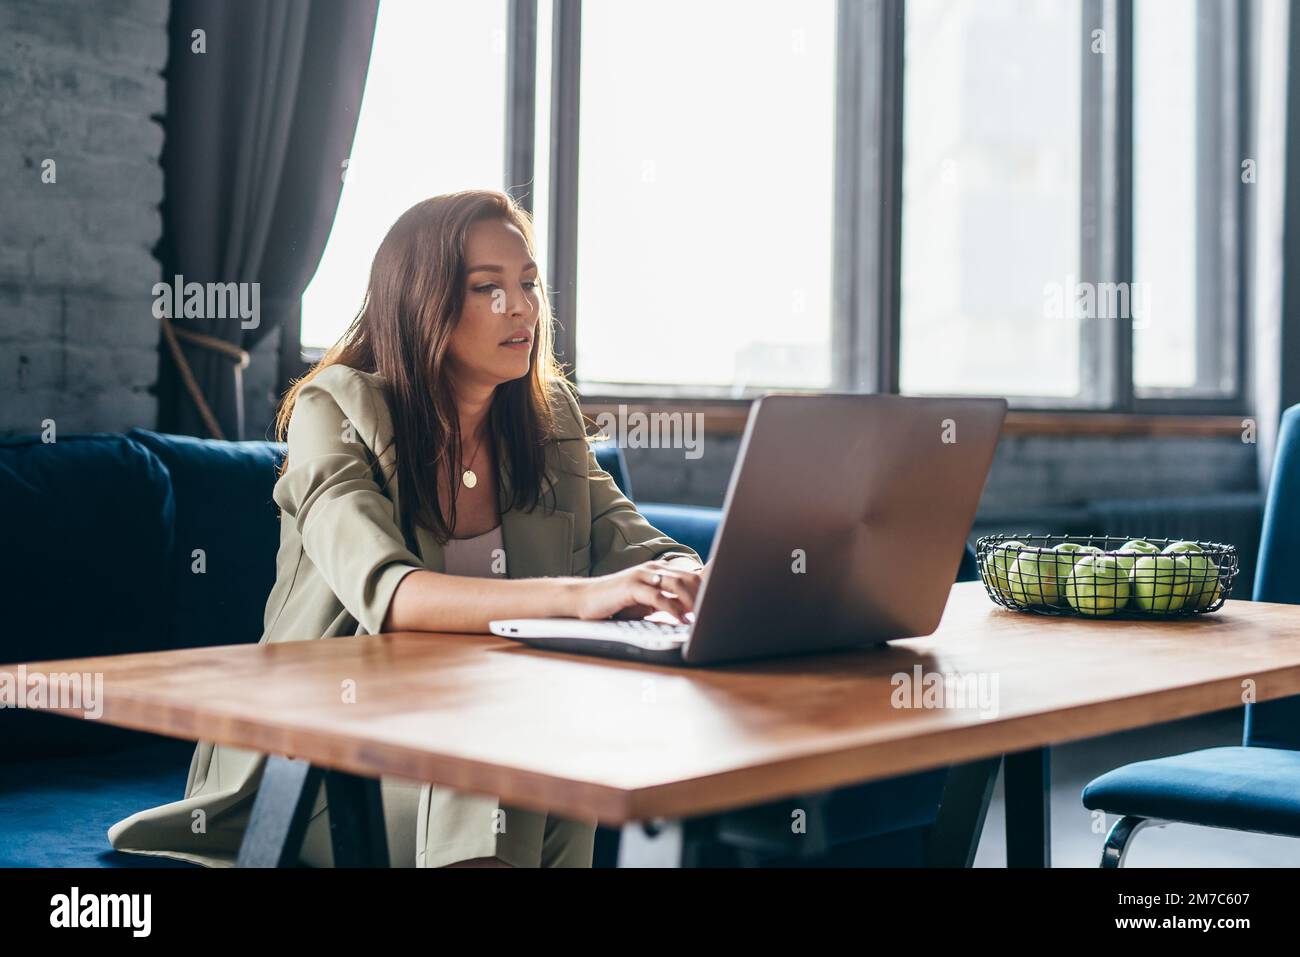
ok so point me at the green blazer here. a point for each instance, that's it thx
(341, 557)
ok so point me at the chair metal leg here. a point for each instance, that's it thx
(1117, 841)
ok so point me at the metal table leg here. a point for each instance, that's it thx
(356, 810)
(1027, 780)
(955, 835)
(282, 810)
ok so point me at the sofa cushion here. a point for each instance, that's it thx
(88, 533)
(227, 535)
(61, 815)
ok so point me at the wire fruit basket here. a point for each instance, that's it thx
(1106, 576)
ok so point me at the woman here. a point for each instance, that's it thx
(438, 476)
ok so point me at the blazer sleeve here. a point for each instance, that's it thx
(348, 526)
(620, 535)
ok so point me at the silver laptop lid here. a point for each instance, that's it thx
(844, 522)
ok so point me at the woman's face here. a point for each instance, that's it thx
(502, 302)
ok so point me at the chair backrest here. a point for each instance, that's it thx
(1276, 724)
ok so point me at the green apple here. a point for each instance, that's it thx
(1067, 555)
(1098, 586)
(1179, 548)
(999, 563)
(1071, 552)
(1161, 582)
(1204, 585)
(1033, 579)
(1131, 549)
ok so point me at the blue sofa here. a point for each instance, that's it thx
(145, 542)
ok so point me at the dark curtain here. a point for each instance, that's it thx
(257, 131)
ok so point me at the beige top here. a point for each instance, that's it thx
(482, 556)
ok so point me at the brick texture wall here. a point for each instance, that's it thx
(81, 85)
(1030, 474)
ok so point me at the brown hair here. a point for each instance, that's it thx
(402, 332)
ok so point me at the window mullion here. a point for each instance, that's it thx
(869, 125)
(848, 364)
(1122, 105)
(521, 103)
(562, 244)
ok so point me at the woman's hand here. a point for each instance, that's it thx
(632, 593)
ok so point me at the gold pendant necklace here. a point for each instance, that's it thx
(468, 478)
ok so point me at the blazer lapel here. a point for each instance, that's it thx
(537, 543)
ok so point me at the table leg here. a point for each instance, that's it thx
(955, 834)
(1027, 784)
(282, 810)
(356, 809)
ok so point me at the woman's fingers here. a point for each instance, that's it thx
(647, 594)
(683, 584)
(687, 584)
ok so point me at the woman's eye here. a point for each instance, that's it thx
(489, 286)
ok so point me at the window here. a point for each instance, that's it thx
(430, 123)
(1071, 230)
(1183, 186)
(991, 198)
(705, 194)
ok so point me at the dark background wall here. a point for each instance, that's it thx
(80, 85)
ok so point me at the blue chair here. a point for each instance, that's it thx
(1255, 787)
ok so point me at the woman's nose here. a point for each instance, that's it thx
(520, 304)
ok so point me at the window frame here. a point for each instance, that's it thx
(866, 328)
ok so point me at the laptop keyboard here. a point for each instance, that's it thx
(653, 627)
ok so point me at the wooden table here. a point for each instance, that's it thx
(635, 744)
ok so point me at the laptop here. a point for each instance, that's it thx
(843, 526)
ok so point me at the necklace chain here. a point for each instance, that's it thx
(469, 477)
